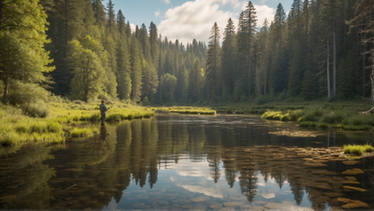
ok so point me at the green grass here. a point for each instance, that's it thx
(187, 110)
(17, 128)
(346, 117)
(83, 132)
(357, 150)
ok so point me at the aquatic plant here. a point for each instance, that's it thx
(357, 149)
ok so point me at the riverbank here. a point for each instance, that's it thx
(61, 121)
(346, 115)
(185, 110)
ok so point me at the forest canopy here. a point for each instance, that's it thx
(85, 50)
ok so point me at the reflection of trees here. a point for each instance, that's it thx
(89, 174)
(24, 178)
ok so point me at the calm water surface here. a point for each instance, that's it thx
(176, 162)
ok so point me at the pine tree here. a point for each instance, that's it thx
(297, 55)
(111, 16)
(99, 12)
(228, 59)
(213, 64)
(364, 21)
(245, 78)
(136, 70)
(153, 37)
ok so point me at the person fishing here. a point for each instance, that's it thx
(103, 110)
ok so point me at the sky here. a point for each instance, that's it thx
(192, 19)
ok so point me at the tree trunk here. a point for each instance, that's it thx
(265, 81)
(5, 91)
(372, 78)
(328, 71)
(363, 75)
(334, 71)
(1, 12)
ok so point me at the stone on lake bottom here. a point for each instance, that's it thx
(354, 171)
(354, 204)
(351, 188)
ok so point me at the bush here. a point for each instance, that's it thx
(312, 115)
(332, 118)
(295, 115)
(25, 93)
(35, 110)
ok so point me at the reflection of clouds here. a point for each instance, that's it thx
(268, 195)
(212, 192)
(193, 169)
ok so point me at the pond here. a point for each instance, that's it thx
(191, 162)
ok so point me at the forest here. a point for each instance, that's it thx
(84, 50)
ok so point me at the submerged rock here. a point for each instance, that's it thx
(354, 204)
(350, 162)
(351, 188)
(354, 171)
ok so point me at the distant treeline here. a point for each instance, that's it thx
(314, 52)
(84, 50)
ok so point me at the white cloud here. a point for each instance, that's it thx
(166, 1)
(195, 18)
(157, 14)
(132, 27)
(264, 12)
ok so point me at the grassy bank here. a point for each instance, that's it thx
(324, 118)
(344, 115)
(62, 120)
(186, 110)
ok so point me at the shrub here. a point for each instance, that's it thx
(35, 110)
(25, 93)
(332, 118)
(272, 115)
(311, 115)
(295, 115)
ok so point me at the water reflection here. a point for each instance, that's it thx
(171, 161)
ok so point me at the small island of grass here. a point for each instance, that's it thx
(357, 150)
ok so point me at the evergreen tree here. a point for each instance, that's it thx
(111, 16)
(123, 71)
(99, 12)
(364, 21)
(213, 65)
(136, 70)
(228, 59)
(153, 36)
